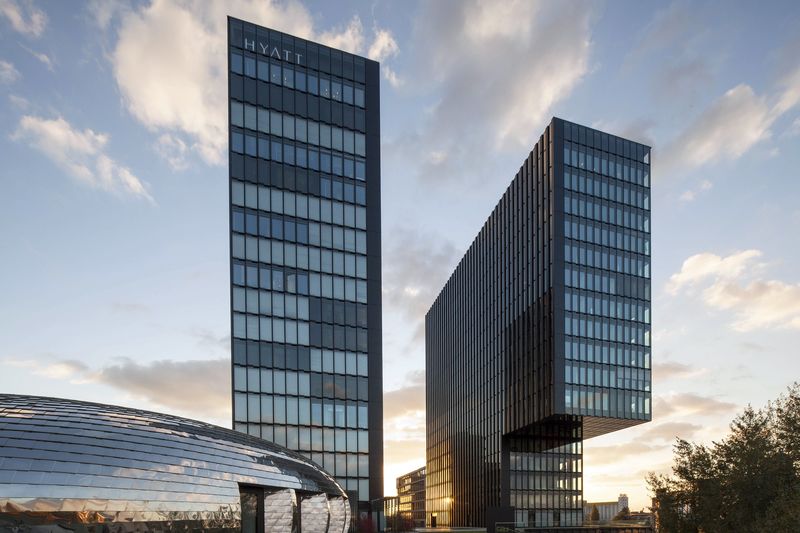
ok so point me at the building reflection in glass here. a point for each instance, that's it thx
(69, 465)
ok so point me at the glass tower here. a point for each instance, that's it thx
(541, 337)
(305, 252)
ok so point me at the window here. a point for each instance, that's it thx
(236, 63)
(237, 114)
(288, 77)
(250, 115)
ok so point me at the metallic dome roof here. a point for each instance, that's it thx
(67, 456)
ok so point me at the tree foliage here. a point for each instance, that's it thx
(594, 516)
(623, 514)
(749, 482)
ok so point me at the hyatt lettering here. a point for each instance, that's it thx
(265, 50)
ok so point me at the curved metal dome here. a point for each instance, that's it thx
(81, 464)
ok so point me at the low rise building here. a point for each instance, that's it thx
(411, 493)
(606, 511)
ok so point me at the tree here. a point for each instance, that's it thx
(594, 516)
(748, 482)
(623, 514)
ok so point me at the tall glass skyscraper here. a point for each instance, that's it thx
(541, 337)
(305, 252)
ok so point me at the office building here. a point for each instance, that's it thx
(411, 495)
(77, 466)
(306, 252)
(540, 339)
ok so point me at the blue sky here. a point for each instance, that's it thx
(113, 190)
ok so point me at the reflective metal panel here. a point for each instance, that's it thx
(72, 464)
(279, 511)
(314, 513)
(340, 515)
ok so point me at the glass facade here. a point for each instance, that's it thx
(77, 466)
(305, 252)
(541, 336)
(411, 497)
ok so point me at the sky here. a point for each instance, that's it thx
(113, 191)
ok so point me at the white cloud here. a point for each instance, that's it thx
(691, 194)
(727, 129)
(8, 73)
(81, 154)
(732, 124)
(383, 47)
(103, 11)
(673, 370)
(496, 71)
(733, 283)
(416, 267)
(25, 17)
(18, 101)
(681, 405)
(170, 62)
(404, 427)
(794, 129)
(706, 265)
(757, 304)
(192, 387)
(41, 57)
(349, 38)
(173, 150)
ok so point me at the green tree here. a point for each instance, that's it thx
(748, 482)
(594, 516)
(623, 514)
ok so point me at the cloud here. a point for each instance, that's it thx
(552, 56)
(349, 38)
(669, 431)
(674, 370)
(726, 129)
(24, 16)
(670, 25)
(18, 101)
(408, 399)
(671, 40)
(211, 341)
(496, 71)
(732, 284)
(65, 369)
(197, 387)
(173, 150)
(8, 73)
(691, 194)
(103, 11)
(758, 304)
(404, 427)
(170, 63)
(383, 47)
(732, 124)
(41, 57)
(617, 453)
(415, 268)
(690, 404)
(201, 387)
(794, 129)
(81, 154)
(682, 78)
(700, 267)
